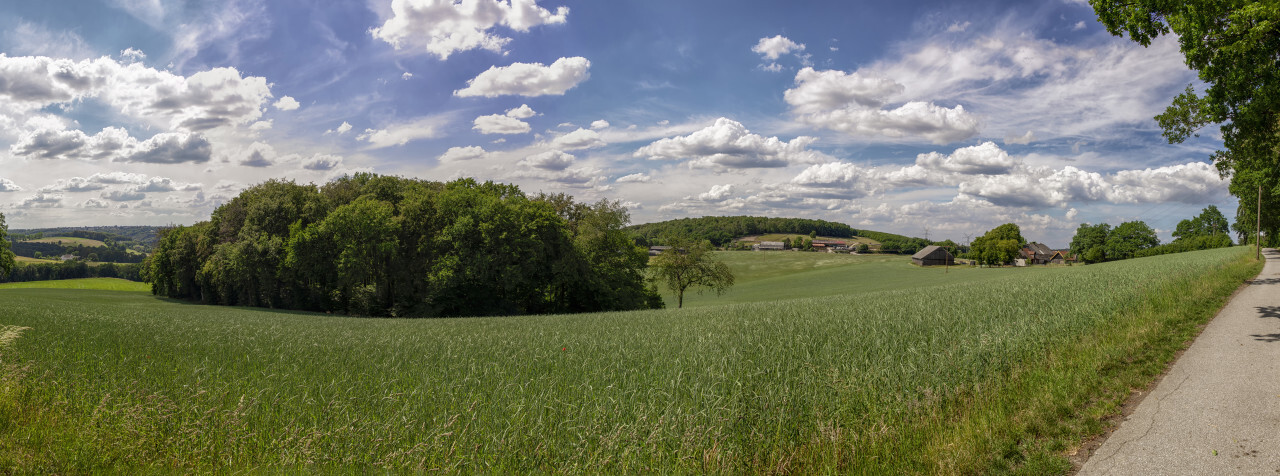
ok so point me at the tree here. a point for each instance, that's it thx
(6, 256)
(1000, 245)
(1232, 45)
(690, 263)
(1128, 239)
(1090, 242)
(863, 247)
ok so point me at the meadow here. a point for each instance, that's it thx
(70, 241)
(996, 371)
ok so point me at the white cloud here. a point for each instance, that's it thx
(522, 112)
(1080, 25)
(550, 160)
(94, 203)
(42, 200)
(401, 134)
(132, 54)
(638, 177)
(74, 184)
(123, 195)
(958, 27)
(986, 158)
(528, 79)
(321, 162)
(579, 139)
(444, 27)
(455, 154)
(728, 144)
(257, 154)
(164, 184)
(344, 128)
(854, 102)
(406, 76)
(500, 124)
(772, 48)
(718, 193)
(1024, 139)
(599, 124)
(7, 185)
(261, 125)
(286, 103)
(172, 148)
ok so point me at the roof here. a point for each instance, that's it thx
(770, 243)
(931, 250)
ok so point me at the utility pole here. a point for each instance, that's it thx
(1258, 229)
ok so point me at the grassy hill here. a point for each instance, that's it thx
(69, 240)
(978, 371)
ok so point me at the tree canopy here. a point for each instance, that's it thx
(1209, 222)
(690, 263)
(1232, 45)
(390, 246)
(6, 256)
(999, 245)
(722, 230)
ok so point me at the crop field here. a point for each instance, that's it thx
(24, 259)
(100, 284)
(70, 241)
(974, 371)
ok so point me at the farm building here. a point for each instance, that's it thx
(1038, 253)
(829, 245)
(768, 246)
(933, 255)
(657, 250)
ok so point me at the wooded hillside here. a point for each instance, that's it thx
(722, 230)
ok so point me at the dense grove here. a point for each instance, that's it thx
(24, 272)
(1101, 242)
(392, 246)
(722, 230)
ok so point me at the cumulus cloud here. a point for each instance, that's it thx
(549, 160)
(522, 112)
(444, 27)
(74, 184)
(94, 203)
(1024, 139)
(455, 154)
(132, 54)
(7, 185)
(401, 134)
(772, 48)
(344, 128)
(528, 79)
(42, 200)
(286, 103)
(164, 184)
(728, 144)
(172, 148)
(500, 124)
(579, 139)
(321, 162)
(205, 100)
(123, 195)
(854, 103)
(600, 124)
(986, 158)
(257, 154)
(638, 177)
(718, 193)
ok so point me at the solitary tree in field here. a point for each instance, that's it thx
(6, 256)
(689, 263)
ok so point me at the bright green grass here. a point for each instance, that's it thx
(24, 259)
(69, 241)
(764, 276)
(103, 284)
(1004, 373)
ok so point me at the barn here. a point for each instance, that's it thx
(933, 255)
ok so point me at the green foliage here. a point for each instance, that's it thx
(390, 246)
(1232, 45)
(722, 230)
(1210, 222)
(998, 246)
(1128, 239)
(1202, 242)
(691, 263)
(72, 269)
(945, 385)
(6, 256)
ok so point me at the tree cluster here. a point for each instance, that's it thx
(391, 246)
(998, 246)
(722, 230)
(24, 272)
(1232, 46)
(6, 256)
(1098, 243)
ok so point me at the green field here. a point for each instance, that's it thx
(24, 259)
(99, 284)
(992, 371)
(70, 241)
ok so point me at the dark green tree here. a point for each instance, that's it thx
(1232, 46)
(999, 245)
(1128, 239)
(691, 263)
(1089, 243)
(6, 256)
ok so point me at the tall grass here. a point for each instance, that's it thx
(999, 375)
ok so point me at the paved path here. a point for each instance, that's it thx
(1218, 409)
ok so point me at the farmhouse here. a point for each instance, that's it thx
(1037, 253)
(768, 246)
(933, 255)
(830, 245)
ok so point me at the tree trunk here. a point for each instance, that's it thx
(679, 299)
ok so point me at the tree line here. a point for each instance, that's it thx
(1134, 239)
(721, 231)
(70, 270)
(381, 245)
(112, 253)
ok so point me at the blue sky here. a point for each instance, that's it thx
(945, 118)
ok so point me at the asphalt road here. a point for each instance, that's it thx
(1218, 409)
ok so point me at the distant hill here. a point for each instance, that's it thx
(143, 235)
(722, 230)
(116, 244)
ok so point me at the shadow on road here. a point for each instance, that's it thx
(1264, 281)
(1268, 311)
(1266, 337)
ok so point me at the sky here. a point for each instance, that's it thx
(940, 119)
